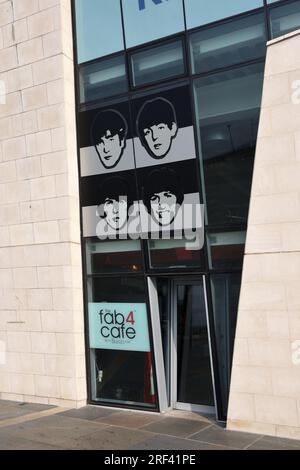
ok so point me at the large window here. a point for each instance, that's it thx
(226, 249)
(158, 63)
(201, 12)
(147, 20)
(121, 361)
(102, 79)
(113, 256)
(285, 18)
(99, 28)
(231, 43)
(228, 108)
(170, 254)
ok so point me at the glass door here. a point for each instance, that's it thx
(192, 385)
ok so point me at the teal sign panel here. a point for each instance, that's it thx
(119, 326)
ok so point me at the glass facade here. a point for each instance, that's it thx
(169, 96)
(147, 20)
(227, 109)
(201, 12)
(99, 28)
(285, 18)
(158, 63)
(231, 43)
(99, 80)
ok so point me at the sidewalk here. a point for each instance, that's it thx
(40, 427)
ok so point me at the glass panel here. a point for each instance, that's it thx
(225, 295)
(226, 249)
(122, 369)
(159, 63)
(285, 19)
(99, 28)
(228, 109)
(103, 79)
(175, 254)
(147, 20)
(113, 256)
(163, 293)
(232, 43)
(194, 378)
(200, 12)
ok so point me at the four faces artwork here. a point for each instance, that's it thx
(156, 127)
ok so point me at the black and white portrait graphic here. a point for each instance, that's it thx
(108, 135)
(157, 126)
(164, 130)
(115, 201)
(163, 196)
(138, 166)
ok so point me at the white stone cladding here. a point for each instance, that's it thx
(42, 357)
(265, 386)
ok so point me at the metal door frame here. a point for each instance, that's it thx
(173, 348)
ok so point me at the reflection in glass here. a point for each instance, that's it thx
(228, 109)
(200, 12)
(194, 377)
(113, 256)
(284, 19)
(102, 79)
(175, 254)
(232, 43)
(147, 20)
(226, 249)
(119, 376)
(225, 296)
(123, 377)
(119, 289)
(96, 21)
(158, 63)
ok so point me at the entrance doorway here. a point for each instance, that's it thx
(186, 344)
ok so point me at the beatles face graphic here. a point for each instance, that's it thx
(159, 138)
(163, 195)
(116, 212)
(108, 134)
(163, 207)
(115, 199)
(157, 127)
(110, 149)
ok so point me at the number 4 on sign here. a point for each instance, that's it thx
(142, 3)
(130, 318)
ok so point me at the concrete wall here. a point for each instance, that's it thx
(265, 388)
(41, 311)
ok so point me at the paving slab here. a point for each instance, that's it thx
(9, 442)
(109, 438)
(54, 430)
(89, 413)
(161, 442)
(7, 412)
(131, 419)
(275, 443)
(179, 427)
(219, 435)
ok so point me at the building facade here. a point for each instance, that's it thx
(135, 135)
